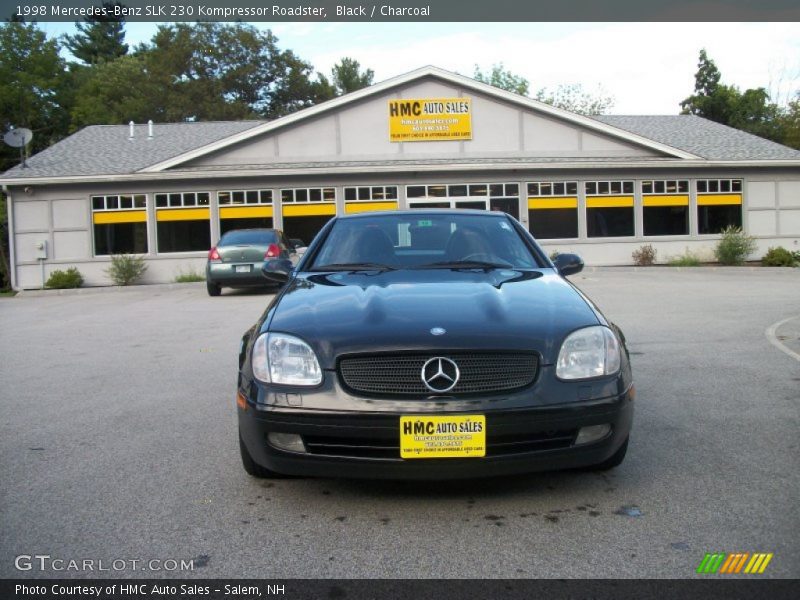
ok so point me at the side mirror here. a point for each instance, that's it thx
(296, 243)
(568, 264)
(277, 270)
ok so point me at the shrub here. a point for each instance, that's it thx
(734, 247)
(554, 254)
(644, 256)
(189, 276)
(780, 257)
(126, 269)
(687, 259)
(62, 280)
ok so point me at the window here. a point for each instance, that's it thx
(665, 207)
(482, 196)
(120, 224)
(307, 195)
(244, 209)
(553, 209)
(719, 204)
(183, 221)
(609, 208)
(370, 198)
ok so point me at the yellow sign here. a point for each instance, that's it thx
(443, 437)
(430, 119)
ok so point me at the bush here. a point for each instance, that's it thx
(62, 280)
(734, 247)
(126, 269)
(686, 260)
(780, 257)
(644, 256)
(189, 276)
(554, 254)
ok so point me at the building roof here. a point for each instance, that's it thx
(108, 149)
(102, 151)
(710, 140)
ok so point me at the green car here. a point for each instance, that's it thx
(237, 259)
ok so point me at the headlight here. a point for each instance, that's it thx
(589, 352)
(285, 359)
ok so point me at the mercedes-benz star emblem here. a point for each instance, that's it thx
(438, 331)
(440, 374)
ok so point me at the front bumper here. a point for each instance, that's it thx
(362, 444)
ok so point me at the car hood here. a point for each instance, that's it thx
(343, 313)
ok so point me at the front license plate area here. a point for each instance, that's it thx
(242, 268)
(462, 436)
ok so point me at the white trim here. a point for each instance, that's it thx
(396, 168)
(382, 87)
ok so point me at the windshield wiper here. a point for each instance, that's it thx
(465, 264)
(366, 266)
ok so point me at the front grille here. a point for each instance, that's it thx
(401, 374)
(385, 448)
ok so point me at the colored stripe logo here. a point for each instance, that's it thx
(734, 563)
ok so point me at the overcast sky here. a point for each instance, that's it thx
(647, 67)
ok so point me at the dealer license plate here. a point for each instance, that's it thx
(443, 437)
(242, 268)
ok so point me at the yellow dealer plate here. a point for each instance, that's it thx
(443, 437)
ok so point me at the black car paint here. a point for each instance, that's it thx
(377, 311)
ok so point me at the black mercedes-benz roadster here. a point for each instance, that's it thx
(428, 345)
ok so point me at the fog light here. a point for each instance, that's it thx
(592, 433)
(291, 442)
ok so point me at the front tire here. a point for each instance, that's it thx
(252, 467)
(614, 460)
(213, 289)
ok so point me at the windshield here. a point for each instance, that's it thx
(427, 240)
(248, 237)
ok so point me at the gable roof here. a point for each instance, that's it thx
(106, 151)
(710, 140)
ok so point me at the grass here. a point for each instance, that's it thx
(190, 276)
(7, 293)
(685, 260)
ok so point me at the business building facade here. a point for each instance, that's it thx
(601, 187)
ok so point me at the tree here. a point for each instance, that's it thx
(31, 87)
(573, 98)
(99, 38)
(750, 111)
(790, 123)
(347, 76)
(501, 78)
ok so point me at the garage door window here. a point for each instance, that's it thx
(719, 204)
(665, 206)
(183, 222)
(241, 209)
(553, 209)
(369, 198)
(120, 224)
(609, 208)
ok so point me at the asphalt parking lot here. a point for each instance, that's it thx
(118, 442)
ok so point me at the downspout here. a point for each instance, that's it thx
(12, 263)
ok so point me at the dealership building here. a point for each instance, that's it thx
(601, 187)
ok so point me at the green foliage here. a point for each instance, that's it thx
(189, 276)
(574, 98)
(501, 78)
(5, 270)
(749, 111)
(32, 81)
(790, 123)
(61, 280)
(780, 257)
(734, 247)
(644, 256)
(126, 269)
(687, 259)
(99, 38)
(554, 254)
(348, 77)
